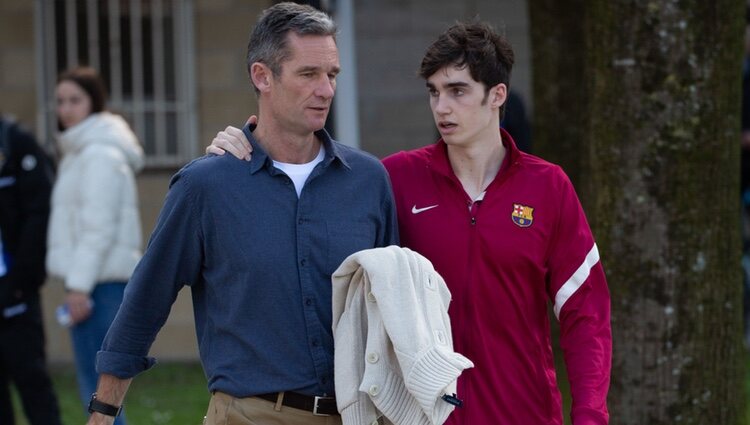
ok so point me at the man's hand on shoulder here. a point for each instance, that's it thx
(232, 140)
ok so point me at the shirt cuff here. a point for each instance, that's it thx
(79, 285)
(121, 365)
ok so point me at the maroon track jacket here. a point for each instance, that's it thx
(526, 242)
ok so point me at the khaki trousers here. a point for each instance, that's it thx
(224, 409)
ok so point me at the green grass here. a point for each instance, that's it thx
(168, 394)
(176, 394)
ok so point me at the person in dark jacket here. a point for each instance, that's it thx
(745, 179)
(25, 186)
(516, 122)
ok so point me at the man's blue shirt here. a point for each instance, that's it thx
(259, 262)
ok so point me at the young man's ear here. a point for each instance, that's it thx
(498, 95)
(261, 76)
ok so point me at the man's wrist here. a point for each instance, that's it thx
(98, 406)
(99, 419)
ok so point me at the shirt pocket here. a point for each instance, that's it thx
(345, 237)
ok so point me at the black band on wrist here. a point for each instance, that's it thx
(102, 407)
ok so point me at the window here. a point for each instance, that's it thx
(143, 50)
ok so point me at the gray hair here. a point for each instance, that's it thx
(268, 41)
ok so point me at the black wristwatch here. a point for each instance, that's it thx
(102, 407)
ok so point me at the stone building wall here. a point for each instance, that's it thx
(394, 114)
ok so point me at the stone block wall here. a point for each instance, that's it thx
(392, 37)
(394, 114)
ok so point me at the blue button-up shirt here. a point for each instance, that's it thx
(259, 262)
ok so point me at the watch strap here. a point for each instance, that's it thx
(102, 407)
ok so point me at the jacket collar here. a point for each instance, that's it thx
(440, 163)
(103, 128)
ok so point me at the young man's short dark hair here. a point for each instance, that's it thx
(488, 55)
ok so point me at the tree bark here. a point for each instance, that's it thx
(557, 35)
(659, 176)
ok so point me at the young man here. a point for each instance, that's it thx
(518, 238)
(506, 231)
(259, 254)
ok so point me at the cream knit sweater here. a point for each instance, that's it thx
(392, 338)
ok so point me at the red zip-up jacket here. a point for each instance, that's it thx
(504, 257)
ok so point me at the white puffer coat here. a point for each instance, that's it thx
(95, 228)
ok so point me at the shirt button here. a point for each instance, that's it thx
(323, 380)
(301, 220)
(308, 302)
(371, 297)
(303, 262)
(374, 390)
(373, 357)
(315, 343)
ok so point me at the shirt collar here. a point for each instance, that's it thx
(260, 158)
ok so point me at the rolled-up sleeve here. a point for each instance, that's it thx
(172, 259)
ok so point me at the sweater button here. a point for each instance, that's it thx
(374, 390)
(373, 357)
(429, 283)
(441, 337)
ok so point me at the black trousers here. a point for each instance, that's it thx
(23, 364)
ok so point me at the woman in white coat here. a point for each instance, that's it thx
(94, 238)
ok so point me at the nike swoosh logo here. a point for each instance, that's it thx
(415, 210)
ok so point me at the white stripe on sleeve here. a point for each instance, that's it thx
(574, 282)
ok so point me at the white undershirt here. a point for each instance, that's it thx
(479, 198)
(300, 172)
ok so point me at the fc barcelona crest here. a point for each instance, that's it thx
(522, 215)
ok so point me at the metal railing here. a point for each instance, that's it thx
(144, 51)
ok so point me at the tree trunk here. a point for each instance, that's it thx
(659, 173)
(557, 36)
